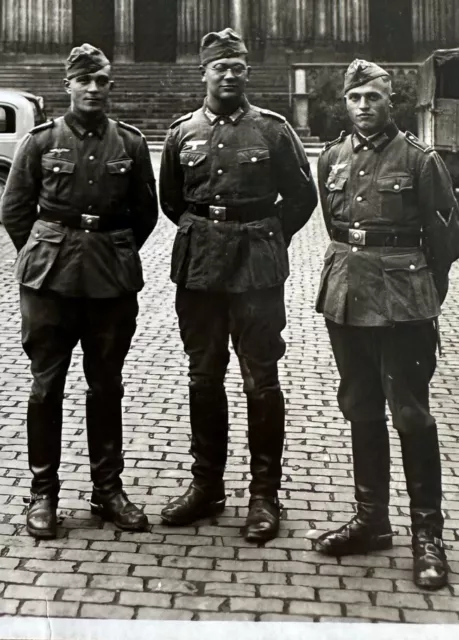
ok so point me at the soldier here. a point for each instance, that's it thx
(223, 167)
(391, 214)
(79, 203)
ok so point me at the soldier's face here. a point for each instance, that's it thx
(89, 92)
(226, 78)
(369, 106)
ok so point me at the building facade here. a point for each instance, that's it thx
(276, 30)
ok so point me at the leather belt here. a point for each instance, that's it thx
(375, 238)
(244, 213)
(107, 222)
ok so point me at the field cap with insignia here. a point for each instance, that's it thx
(85, 59)
(221, 44)
(360, 72)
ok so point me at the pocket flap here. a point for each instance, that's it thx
(46, 233)
(394, 184)
(185, 226)
(407, 262)
(253, 155)
(57, 165)
(119, 166)
(192, 158)
(336, 183)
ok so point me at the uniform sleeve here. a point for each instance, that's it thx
(171, 180)
(20, 198)
(322, 174)
(295, 182)
(143, 200)
(440, 219)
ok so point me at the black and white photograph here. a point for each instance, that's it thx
(229, 345)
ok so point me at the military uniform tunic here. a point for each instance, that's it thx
(395, 185)
(247, 159)
(65, 169)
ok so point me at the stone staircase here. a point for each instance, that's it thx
(149, 95)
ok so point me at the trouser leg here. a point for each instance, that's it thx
(257, 319)
(203, 322)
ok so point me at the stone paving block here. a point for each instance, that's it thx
(113, 569)
(198, 603)
(115, 583)
(147, 613)
(303, 607)
(287, 592)
(430, 617)
(385, 614)
(229, 589)
(260, 578)
(105, 611)
(257, 605)
(169, 585)
(45, 609)
(158, 572)
(88, 595)
(160, 600)
(17, 576)
(26, 592)
(196, 575)
(70, 580)
(8, 607)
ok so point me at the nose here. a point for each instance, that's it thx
(231, 72)
(363, 103)
(93, 86)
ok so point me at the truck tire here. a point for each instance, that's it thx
(3, 177)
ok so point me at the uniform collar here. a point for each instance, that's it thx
(377, 141)
(234, 117)
(81, 129)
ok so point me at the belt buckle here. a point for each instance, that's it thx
(357, 236)
(217, 213)
(89, 222)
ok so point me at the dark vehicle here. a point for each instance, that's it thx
(438, 107)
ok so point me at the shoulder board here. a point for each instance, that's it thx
(422, 146)
(49, 124)
(187, 116)
(269, 113)
(129, 127)
(337, 140)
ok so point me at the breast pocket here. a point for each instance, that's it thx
(336, 195)
(57, 177)
(194, 167)
(119, 172)
(409, 288)
(255, 170)
(396, 195)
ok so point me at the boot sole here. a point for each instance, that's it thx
(262, 536)
(41, 534)
(99, 511)
(211, 510)
(378, 545)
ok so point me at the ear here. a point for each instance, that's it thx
(249, 71)
(67, 85)
(111, 85)
(202, 70)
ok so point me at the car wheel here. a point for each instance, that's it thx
(3, 177)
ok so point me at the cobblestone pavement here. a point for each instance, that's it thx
(208, 571)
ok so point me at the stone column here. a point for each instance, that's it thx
(238, 16)
(124, 31)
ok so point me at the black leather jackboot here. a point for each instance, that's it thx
(209, 447)
(44, 435)
(422, 466)
(369, 529)
(105, 441)
(266, 422)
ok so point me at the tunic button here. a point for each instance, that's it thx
(222, 122)
(215, 221)
(365, 148)
(91, 181)
(191, 163)
(220, 171)
(90, 134)
(396, 187)
(217, 197)
(356, 225)
(356, 236)
(361, 173)
(37, 235)
(86, 230)
(123, 169)
(254, 159)
(412, 267)
(90, 207)
(354, 249)
(91, 157)
(56, 169)
(332, 185)
(220, 146)
(271, 233)
(359, 198)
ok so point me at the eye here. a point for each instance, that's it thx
(83, 79)
(219, 68)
